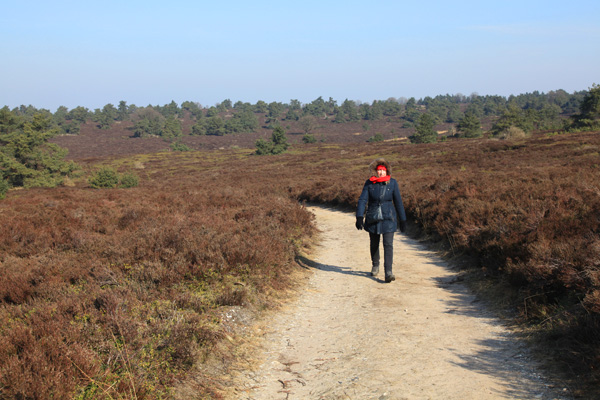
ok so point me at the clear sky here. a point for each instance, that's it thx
(92, 53)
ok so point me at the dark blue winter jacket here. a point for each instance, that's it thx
(391, 206)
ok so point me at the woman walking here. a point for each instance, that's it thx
(385, 214)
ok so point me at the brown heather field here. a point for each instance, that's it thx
(116, 140)
(122, 293)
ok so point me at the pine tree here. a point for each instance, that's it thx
(277, 145)
(425, 130)
(469, 126)
(590, 109)
(279, 140)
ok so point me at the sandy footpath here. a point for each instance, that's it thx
(351, 336)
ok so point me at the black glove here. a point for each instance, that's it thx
(359, 223)
(402, 226)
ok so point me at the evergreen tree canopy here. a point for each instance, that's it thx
(26, 157)
(589, 115)
(469, 126)
(425, 130)
(122, 111)
(171, 128)
(278, 143)
(515, 117)
(148, 122)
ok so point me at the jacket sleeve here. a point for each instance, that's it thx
(362, 201)
(398, 204)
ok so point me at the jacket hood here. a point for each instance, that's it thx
(377, 162)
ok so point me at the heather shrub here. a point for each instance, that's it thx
(533, 224)
(139, 279)
(127, 288)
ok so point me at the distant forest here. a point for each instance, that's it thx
(530, 111)
(27, 159)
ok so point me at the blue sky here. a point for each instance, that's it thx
(92, 53)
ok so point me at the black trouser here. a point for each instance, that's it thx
(388, 251)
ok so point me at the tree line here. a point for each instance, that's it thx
(516, 116)
(543, 111)
(27, 159)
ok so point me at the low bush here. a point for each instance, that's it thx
(178, 146)
(104, 178)
(308, 138)
(378, 137)
(277, 145)
(107, 178)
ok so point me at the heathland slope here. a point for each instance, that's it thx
(127, 290)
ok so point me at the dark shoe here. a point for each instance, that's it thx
(375, 270)
(390, 278)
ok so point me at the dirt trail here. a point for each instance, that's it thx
(424, 336)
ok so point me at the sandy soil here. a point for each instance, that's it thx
(351, 336)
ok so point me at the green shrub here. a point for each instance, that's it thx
(263, 147)
(378, 137)
(108, 178)
(105, 178)
(178, 146)
(309, 139)
(129, 180)
(277, 145)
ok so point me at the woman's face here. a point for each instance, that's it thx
(381, 172)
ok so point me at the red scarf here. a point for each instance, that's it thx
(376, 179)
